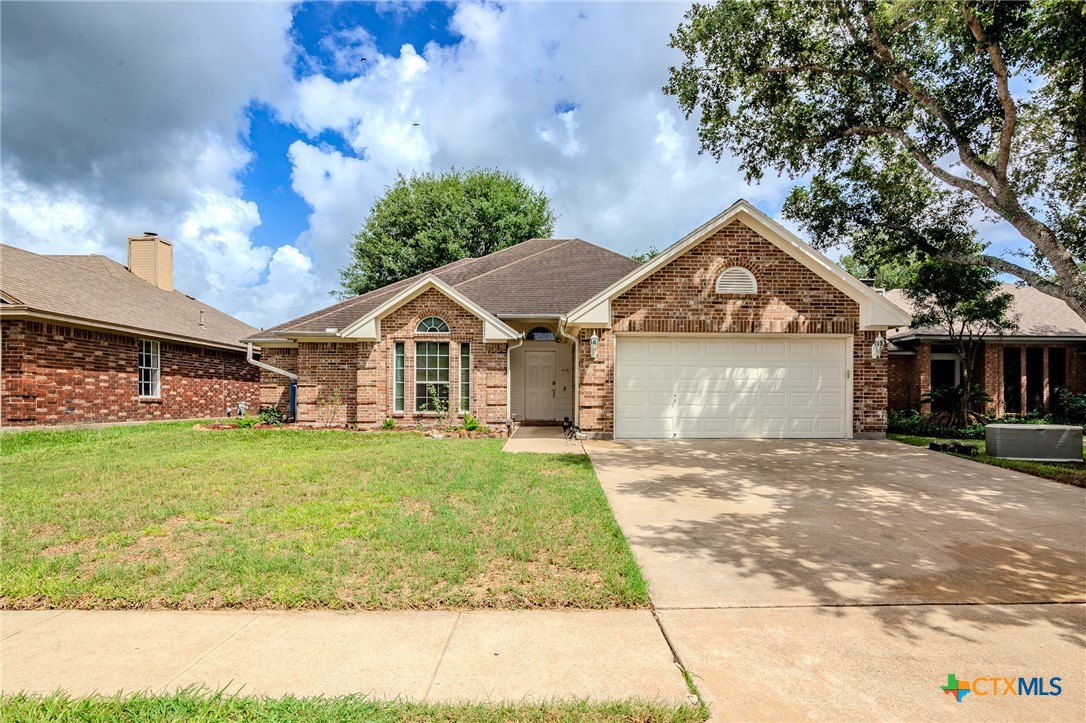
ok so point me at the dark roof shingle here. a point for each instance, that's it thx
(97, 289)
(548, 277)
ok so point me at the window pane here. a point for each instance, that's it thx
(465, 377)
(398, 379)
(431, 370)
(148, 370)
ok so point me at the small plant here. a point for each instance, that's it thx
(947, 405)
(471, 424)
(420, 427)
(246, 422)
(438, 404)
(329, 402)
(271, 415)
(1069, 408)
(389, 423)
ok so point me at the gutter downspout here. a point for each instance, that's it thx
(276, 370)
(509, 378)
(576, 370)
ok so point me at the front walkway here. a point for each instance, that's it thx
(545, 440)
(477, 656)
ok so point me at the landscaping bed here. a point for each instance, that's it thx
(1067, 472)
(163, 516)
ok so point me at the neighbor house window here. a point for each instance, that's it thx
(736, 280)
(398, 379)
(432, 325)
(150, 366)
(465, 377)
(431, 374)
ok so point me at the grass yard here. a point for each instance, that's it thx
(1066, 472)
(193, 705)
(162, 516)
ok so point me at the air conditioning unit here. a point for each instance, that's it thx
(1036, 442)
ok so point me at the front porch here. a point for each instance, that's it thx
(541, 386)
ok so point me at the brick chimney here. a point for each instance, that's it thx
(151, 259)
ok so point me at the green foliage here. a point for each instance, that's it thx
(246, 422)
(897, 273)
(912, 120)
(271, 415)
(1069, 408)
(926, 425)
(951, 405)
(389, 423)
(429, 220)
(471, 424)
(208, 706)
(647, 256)
(437, 403)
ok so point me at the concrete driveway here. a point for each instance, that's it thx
(852, 577)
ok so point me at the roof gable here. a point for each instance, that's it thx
(368, 328)
(875, 311)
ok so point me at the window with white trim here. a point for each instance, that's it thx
(150, 365)
(398, 379)
(465, 377)
(539, 333)
(432, 325)
(431, 374)
(736, 280)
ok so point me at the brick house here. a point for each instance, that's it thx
(737, 330)
(1020, 371)
(88, 340)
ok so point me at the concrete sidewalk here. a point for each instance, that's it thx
(541, 440)
(421, 656)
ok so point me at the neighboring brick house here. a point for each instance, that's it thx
(87, 340)
(1020, 371)
(737, 330)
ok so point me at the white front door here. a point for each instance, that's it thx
(757, 386)
(540, 389)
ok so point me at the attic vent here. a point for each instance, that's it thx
(736, 280)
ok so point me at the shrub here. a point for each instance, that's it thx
(389, 423)
(930, 425)
(246, 422)
(471, 424)
(1069, 408)
(946, 404)
(271, 415)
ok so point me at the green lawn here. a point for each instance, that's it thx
(1066, 472)
(191, 705)
(164, 516)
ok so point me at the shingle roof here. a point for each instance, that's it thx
(1038, 315)
(548, 277)
(97, 289)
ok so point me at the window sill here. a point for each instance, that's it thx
(150, 400)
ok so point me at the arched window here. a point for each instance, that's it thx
(540, 333)
(432, 325)
(736, 280)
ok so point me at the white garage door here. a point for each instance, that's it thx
(731, 387)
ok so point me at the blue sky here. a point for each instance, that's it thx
(257, 136)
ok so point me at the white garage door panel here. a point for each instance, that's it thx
(739, 387)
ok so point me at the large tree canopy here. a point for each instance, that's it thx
(429, 220)
(913, 119)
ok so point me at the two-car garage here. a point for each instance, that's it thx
(732, 386)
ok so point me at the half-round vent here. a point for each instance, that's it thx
(736, 280)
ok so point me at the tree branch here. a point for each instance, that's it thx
(1006, 100)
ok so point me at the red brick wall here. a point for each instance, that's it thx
(63, 375)
(901, 384)
(681, 298)
(362, 371)
(275, 388)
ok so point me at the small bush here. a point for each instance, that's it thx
(246, 422)
(271, 415)
(471, 424)
(1069, 408)
(389, 423)
(927, 425)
